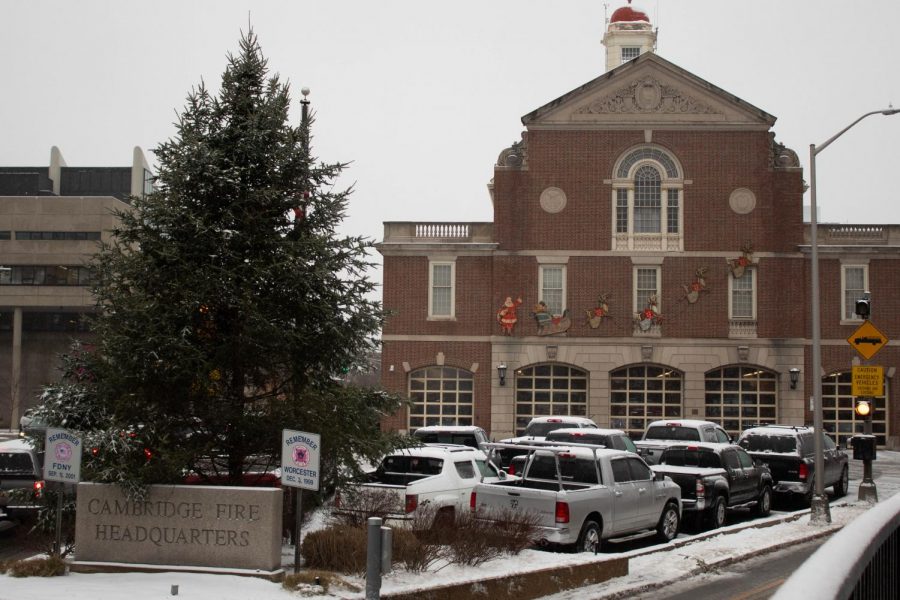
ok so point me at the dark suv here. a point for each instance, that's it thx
(790, 453)
(20, 469)
(611, 438)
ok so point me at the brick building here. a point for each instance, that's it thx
(52, 219)
(647, 259)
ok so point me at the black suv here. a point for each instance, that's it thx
(790, 453)
(611, 438)
(20, 469)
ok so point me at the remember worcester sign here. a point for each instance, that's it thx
(215, 526)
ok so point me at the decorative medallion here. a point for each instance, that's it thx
(648, 95)
(739, 265)
(648, 317)
(507, 316)
(548, 324)
(553, 200)
(742, 201)
(692, 293)
(596, 315)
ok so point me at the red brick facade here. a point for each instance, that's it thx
(722, 147)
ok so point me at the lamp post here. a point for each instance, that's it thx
(820, 511)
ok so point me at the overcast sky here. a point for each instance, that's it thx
(422, 96)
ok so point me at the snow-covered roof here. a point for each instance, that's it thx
(583, 431)
(777, 430)
(680, 423)
(563, 419)
(448, 428)
(440, 451)
(16, 446)
(707, 445)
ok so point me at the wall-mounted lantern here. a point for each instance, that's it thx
(795, 377)
(501, 373)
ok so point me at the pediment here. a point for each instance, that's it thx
(648, 92)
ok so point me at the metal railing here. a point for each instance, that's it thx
(860, 562)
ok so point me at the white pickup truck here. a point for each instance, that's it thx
(662, 434)
(438, 476)
(582, 494)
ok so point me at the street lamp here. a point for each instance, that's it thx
(820, 511)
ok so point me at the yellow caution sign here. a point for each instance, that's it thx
(868, 381)
(867, 340)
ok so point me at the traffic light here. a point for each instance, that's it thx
(863, 307)
(863, 408)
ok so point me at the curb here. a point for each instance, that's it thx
(648, 587)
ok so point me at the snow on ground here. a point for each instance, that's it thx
(646, 567)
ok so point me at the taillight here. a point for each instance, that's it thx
(472, 501)
(803, 472)
(38, 488)
(412, 502)
(700, 489)
(562, 512)
(511, 469)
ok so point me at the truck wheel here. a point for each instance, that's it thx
(589, 538)
(764, 503)
(716, 517)
(667, 528)
(842, 484)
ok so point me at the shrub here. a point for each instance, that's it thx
(36, 567)
(354, 507)
(340, 548)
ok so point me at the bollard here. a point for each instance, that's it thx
(174, 590)
(387, 549)
(373, 559)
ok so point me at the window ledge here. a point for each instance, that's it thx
(742, 328)
(432, 318)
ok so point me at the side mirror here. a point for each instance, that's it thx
(659, 476)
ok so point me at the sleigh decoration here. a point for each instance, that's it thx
(739, 265)
(692, 292)
(596, 315)
(548, 324)
(648, 317)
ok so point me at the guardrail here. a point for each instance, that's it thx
(861, 561)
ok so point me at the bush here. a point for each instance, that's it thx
(35, 567)
(354, 506)
(432, 537)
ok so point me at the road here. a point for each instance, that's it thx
(755, 579)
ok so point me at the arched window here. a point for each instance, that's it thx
(838, 415)
(640, 394)
(647, 203)
(739, 397)
(547, 390)
(441, 396)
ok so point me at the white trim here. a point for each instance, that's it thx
(753, 293)
(638, 304)
(551, 260)
(564, 276)
(443, 263)
(864, 265)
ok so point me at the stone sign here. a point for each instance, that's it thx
(200, 526)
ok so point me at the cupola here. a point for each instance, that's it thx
(628, 35)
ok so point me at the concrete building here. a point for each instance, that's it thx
(647, 259)
(51, 222)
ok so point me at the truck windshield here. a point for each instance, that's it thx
(577, 470)
(670, 432)
(415, 465)
(769, 443)
(684, 457)
(16, 463)
(542, 429)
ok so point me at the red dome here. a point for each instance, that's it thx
(628, 14)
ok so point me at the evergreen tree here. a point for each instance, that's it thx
(228, 304)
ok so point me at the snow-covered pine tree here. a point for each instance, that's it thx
(223, 319)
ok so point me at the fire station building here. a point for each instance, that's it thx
(647, 259)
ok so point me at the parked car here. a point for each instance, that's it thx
(714, 478)
(662, 434)
(584, 494)
(438, 476)
(789, 451)
(20, 469)
(29, 423)
(537, 430)
(463, 435)
(615, 439)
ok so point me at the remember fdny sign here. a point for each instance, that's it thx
(300, 459)
(62, 457)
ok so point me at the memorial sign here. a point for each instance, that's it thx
(62, 456)
(300, 459)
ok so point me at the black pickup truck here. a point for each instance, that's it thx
(789, 452)
(714, 478)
